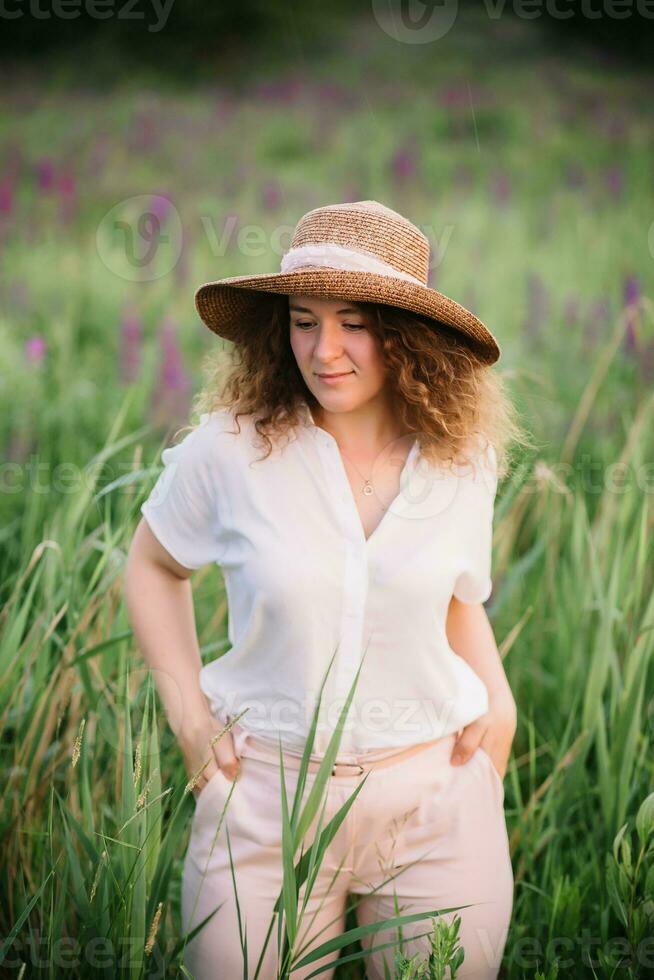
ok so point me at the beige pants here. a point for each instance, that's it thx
(448, 819)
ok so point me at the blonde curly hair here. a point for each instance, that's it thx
(443, 393)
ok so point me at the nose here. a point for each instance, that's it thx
(329, 344)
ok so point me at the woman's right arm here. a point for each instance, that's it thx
(159, 603)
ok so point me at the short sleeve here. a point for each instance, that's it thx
(182, 507)
(474, 583)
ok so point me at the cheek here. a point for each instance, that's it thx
(369, 356)
(298, 346)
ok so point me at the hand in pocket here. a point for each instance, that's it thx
(205, 754)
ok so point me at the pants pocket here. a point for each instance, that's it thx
(491, 765)
(208, 792)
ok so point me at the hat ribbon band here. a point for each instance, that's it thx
(328, 255)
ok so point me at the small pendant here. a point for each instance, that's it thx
(367, 489)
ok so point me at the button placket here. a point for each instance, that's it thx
(355, 581)
(354, 597)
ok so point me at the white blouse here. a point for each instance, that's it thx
(303, 584)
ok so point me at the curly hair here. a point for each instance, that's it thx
(443, 393)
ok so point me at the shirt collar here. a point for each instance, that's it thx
(308, 419)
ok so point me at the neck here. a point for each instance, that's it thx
(370, 428)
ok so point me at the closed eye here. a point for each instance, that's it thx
(352, 326)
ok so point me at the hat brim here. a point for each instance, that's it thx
(225, 304)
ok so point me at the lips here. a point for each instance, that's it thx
(339, 374)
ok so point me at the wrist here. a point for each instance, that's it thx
(195, 719)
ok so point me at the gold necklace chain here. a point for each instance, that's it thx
(367, 488)
(367, 485)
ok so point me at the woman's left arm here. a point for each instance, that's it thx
(470, 635)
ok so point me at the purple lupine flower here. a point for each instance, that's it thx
(571, 310)
(147, 132)
(283, 91)
(6, 196)
(403, 164)
(160, 206)
(35, 349)
(131, 341)
(172, 393)
(646, 363)
(292, 89)
(45, 174)
(99, 155)
(631, 298)
(615, 181)
(173, 373)
(329, 93)
(502, 187)
(333, 94)
(538, 304)
(351, 192)
(19, 448)
(181, 266)
(143, 132)
(271, 195)
(631, 291)
(264, 90)
(455, 95)
(607, 121)
(66, 189)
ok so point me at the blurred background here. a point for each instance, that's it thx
(148, 147)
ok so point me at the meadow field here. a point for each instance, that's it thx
(531, 173)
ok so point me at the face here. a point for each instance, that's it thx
(332, 337)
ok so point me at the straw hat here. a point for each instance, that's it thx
(361, 251)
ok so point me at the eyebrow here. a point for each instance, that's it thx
(305, 309)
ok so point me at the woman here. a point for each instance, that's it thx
(355, 551)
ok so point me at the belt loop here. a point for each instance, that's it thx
(350, 765)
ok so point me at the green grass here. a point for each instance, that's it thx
(95, 815)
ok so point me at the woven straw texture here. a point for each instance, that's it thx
(227, 305)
